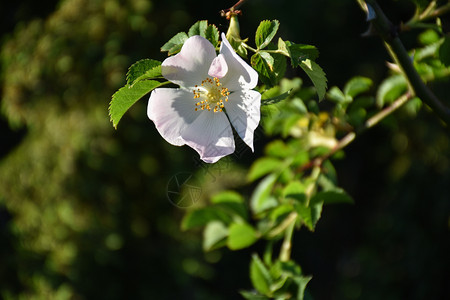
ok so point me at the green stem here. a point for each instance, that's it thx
(286, 247)
(399, 53)
(249, 48)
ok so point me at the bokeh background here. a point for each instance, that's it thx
(84, 212)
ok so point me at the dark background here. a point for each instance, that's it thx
(83, 207)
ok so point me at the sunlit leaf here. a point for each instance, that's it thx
(357, 85)
(261, 199)
(202, 216)
(263, 166)
(199, 28)
(260, 275)
(212, 34)
(275, 99)
(143, 69)
(317, 76)
(214, 235)
(265, 33)
(125, 97)
(390, 89)
(240, 235)
(175, 43)
(299, 52)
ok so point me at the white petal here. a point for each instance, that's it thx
(218, 67)
(171, 110)
(191, 65)
(243, 110)
(210, 135)
(240, 75)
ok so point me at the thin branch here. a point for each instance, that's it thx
(399, 53)
(350, 137)
(233, 9)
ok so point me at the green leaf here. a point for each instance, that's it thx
(278, 149)
(331, 197)
(214, 235)
(175, 43)
(336, 95)
(309, 215)
(260, 275)
(317, 76)
(212, 34)
(199, 28)
(240, 235)
(143, 69)
(275, 99)
(260, 199)
(444, 51)
(126, 96)
(269, 67)
(295, 190)
(201, 217)
(302, 282)
(357, 85)
(263, 166)
(390, 89)
(299, 52)
(265, 33)
(232, 203)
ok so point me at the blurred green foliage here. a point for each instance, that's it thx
(84, 212)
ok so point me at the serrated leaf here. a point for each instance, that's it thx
(265, 33)
(201, 217)
(125, 97)
(300, 52)
(143, 69)
(240, 235)
(212, 34)
(175, 43)
(270, 67)
(357, 85)
(309, 215)
(261, 199)
(260, 275)
(214, 235)
(276, 99)
(199, 28)
(317, 76)
(390, 89)
(263, 166)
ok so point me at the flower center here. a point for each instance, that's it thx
(211, 94)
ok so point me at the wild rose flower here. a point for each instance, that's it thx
(215, 90)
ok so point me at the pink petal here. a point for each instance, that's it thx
(210, 135)
(243, 110)
(218, 67)
(190, 66)
(171, 110)
(240, 75)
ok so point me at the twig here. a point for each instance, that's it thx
(227, 12)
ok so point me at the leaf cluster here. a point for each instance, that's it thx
(202, 28)
(270, 58)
